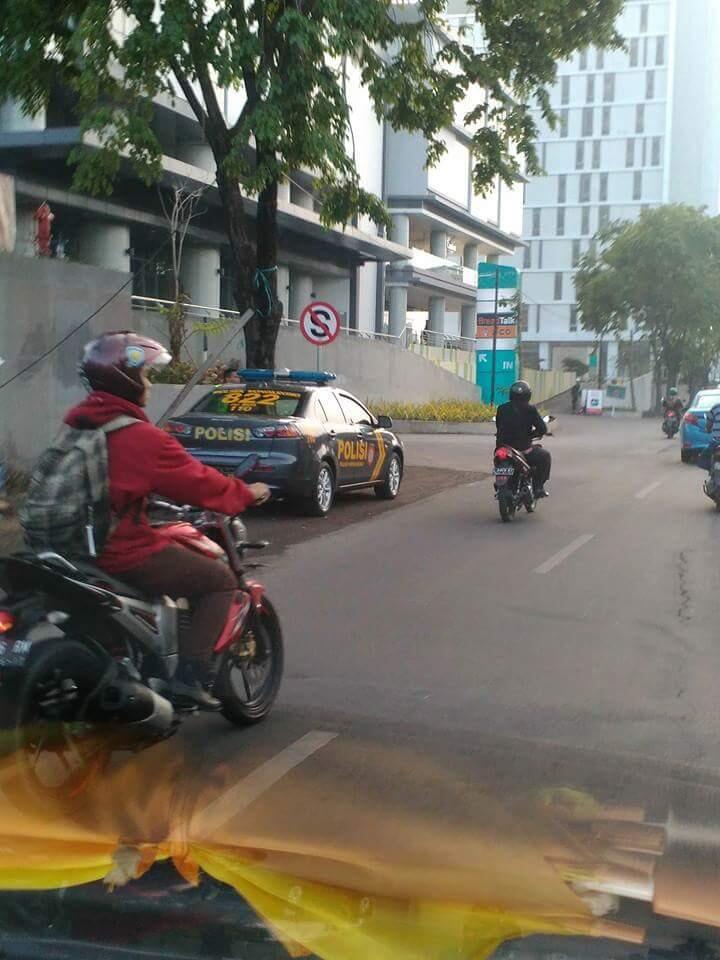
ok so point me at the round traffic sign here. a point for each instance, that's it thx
(320, 323)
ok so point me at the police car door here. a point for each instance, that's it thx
(338, 429)
(362, 452)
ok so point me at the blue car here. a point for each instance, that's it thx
(694, 437)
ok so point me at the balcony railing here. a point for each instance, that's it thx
(448, 269)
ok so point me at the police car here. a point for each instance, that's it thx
(305, 438)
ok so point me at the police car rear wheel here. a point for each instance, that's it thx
(324, 493)
(390, 487)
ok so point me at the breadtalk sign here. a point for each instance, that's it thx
(506, 328)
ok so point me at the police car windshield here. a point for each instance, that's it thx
(255, 401)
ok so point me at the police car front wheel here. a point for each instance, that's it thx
(323, 493)
(390, 487)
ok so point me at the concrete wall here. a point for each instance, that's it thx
(548, 383)
(41, 301)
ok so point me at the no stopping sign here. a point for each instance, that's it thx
(320, 323)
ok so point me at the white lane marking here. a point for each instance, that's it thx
(563, 554)
(646, 491)
(239, 797)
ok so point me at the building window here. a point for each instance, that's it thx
(609, 87)
(660, 52)
(640, 118)
(587, 121)
(563, 123)
(600, 59)
(575, 253)
(540, 255)
(655, 152)
(537, 318)
(584, 192)
(560, 222)
(558, 290)
(583, 60)
(649, 84)
(606, 121)
(596, 153)
(634, 52)
(603, 216)
(643, 161)
(637, 185)
(573, 319)
(536, 223)
(565, 90)
(603, 187)
(630, 152)
(527, 257)
(524, 318)
(592, 248)
(590, 88)
(579, 154)
(643, 18)
(585, 221)
(562, 188)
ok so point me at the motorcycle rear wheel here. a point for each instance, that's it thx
(56, 756)
(259, 652)
(506, 506)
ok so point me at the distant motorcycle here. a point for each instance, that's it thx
(670, 424)
(514, 481)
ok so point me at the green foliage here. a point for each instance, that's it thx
(444, 411)
(180, 371)
(661, 272)
(576, 366)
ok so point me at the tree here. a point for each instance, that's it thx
(661, 274)
(180, 209)
(290, 58)
(576, 366)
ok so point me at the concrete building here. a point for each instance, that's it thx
(636, 129)
(425, 274)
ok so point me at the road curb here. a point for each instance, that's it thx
(438, 426)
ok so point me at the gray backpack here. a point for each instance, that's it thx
(67, 509)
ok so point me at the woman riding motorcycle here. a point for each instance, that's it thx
(144, 460)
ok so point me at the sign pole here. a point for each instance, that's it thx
(317, 357)
(494, 343)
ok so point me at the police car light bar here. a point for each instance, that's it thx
(303, 376)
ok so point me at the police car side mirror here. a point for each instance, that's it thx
(385, 422)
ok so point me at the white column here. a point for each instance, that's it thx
(284, 191)
(401, 229)
(200, 275)
(301, 291)
(611, 361)
(438, 243)
(470, 256)
(283, 287)
(468, 321)
(436, 315)
(105, 245)
(398, 298)
(544, 356)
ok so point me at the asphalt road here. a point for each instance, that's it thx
(472, 712)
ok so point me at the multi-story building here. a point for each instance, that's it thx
(424, 275)
(636, 128)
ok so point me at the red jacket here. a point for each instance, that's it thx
(145, 460)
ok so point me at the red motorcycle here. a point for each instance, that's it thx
(86, 660)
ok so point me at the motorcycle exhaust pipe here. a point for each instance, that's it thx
(130, 703)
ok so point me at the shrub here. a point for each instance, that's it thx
(445, 411)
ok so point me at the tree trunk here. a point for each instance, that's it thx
(631, 369)
(241, 247)
(262, 331)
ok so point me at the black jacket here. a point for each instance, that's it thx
(518, 426)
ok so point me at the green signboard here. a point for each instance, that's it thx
(490, 274)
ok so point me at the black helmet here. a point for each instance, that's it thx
(521, 390)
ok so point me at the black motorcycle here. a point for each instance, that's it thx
(514, 487)
(86, 661)
(711, 486)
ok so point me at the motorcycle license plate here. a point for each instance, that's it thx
(504, 471)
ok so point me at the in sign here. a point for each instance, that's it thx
(320, 323)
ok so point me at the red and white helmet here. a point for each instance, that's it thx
(114, 363)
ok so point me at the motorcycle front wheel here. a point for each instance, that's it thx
(251, 670)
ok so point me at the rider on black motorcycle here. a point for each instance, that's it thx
(518, 424)
(145, 460)
(673, 404)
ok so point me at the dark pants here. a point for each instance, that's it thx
(540, 461)
(208, 584)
